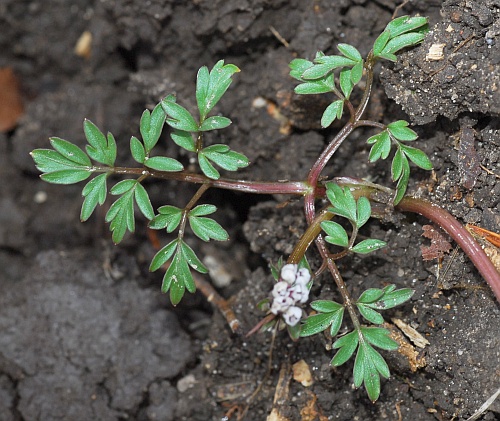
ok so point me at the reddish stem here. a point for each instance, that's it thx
(458, 232)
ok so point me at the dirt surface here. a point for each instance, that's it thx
(85, 331)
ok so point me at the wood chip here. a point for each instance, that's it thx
(302, 373)
(411, 333)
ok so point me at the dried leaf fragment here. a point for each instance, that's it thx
(439, 243)
(11, 106)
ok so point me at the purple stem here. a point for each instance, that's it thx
(457, 231)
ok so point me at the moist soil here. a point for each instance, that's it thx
(85, 333)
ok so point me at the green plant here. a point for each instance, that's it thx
(349, 199)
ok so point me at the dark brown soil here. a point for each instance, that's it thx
(86, 333)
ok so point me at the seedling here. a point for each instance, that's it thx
(348, 199)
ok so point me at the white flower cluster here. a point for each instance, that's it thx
(290, 290)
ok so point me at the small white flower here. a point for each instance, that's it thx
(289, 273)
(303, 277)
(281, 304)
(292, 315)
(299, 293)
(280, 289)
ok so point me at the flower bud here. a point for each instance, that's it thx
(289, 273)
(292, 315)
(280, 289)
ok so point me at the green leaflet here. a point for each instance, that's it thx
(95, 192)
(100, 148)
(121, 215)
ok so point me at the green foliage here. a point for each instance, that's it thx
(178, 276)
(337, 75)
(332, 112)
(210, 86)
(369, 365)
(330, 314)
(100, 148)
(381, 299)
(65, 164)
(356, 211)
(95, 192)
(121, 213)
(317, 77)
(206, 228)
(396, 133)
(223, 156)
(400, 33)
